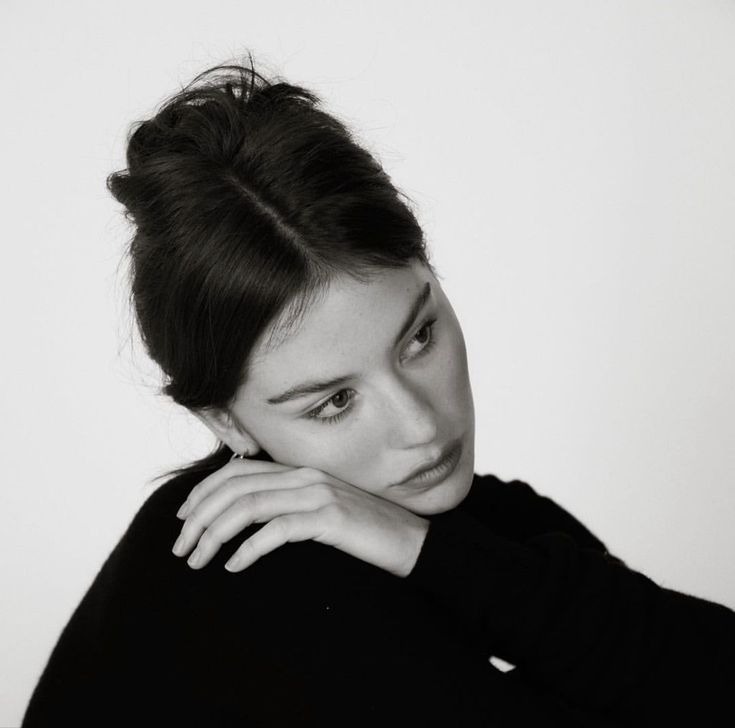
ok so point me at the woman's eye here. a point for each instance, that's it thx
(338, 402)
(426, 340)
(429, 337)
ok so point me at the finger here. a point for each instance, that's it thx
(231, 469)
(275, 533)
(228, 493)
(211, 505)
(256, 507)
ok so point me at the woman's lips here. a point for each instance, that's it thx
(430, 474)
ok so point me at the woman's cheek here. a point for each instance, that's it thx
(356, 458)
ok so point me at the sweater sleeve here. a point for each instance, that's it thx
(515, 510)
(580, 623)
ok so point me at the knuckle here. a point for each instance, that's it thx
(309, 474)
(243, 550)
(280, 526)
(209, 538)
(333, 512)
(233, 485)
(324, 491)
(193, 521)
(247, 501)
(305, 474)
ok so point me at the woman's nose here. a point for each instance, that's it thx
(413, 416)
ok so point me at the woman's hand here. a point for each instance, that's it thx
(298, 504)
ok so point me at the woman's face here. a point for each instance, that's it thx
(404, 392)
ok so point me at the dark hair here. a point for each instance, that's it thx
(246, 199)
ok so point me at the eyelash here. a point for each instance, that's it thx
(313, 414)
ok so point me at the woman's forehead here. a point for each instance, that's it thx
(346, 322)
(343, 302)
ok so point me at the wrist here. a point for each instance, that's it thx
(418, 529)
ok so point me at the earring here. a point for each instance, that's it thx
(237, 456)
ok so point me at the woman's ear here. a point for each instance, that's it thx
(224, 427)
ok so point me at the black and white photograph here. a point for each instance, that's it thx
(368, 364)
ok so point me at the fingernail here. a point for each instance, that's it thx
(183, 510)
(232, 564)
(178, 548)
(194, 558)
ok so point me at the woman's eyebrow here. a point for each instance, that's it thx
(301, 390)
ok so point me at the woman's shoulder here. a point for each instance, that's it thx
(143, 594)
(179, 640)
(515, 509)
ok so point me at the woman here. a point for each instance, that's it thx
(283, 286)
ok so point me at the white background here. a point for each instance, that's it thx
(573, 165)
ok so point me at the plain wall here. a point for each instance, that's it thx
(573, 165)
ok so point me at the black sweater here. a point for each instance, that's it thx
(310, 636)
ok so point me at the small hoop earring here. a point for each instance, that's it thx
(237, 456)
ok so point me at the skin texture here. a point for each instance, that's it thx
(405, 402)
